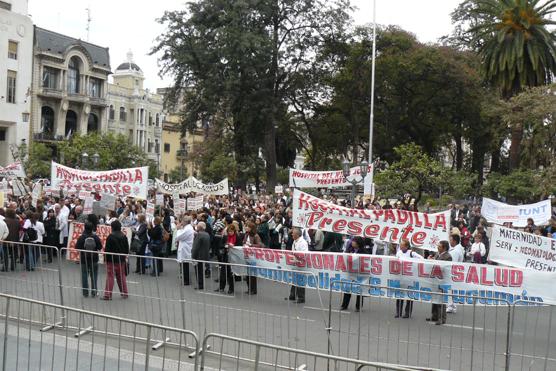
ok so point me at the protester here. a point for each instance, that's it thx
(251, 239)
(297, 293)
(156, 245)
(184, 237)
(116, 243)
(405, 252)
(141, 238)
(232, 239)
(438, 312)
(200, 253)
(89, 244)
(457, 253)
(478, 250)
(33, 232)
(357, 246)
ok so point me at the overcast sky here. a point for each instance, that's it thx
(122, 25)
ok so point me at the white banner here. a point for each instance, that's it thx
(195, 203)
(192, 184)
(383, 275)
(102, 231)
(14, 170)
(391, 225)
(325, 179)
(500, 213)
(130, 182)
(521, 249)
(149, 211)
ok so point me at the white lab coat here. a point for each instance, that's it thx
(184, 238)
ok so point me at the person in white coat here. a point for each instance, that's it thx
(297, 293)
(61, 225)
(457, 253)
(184, 238)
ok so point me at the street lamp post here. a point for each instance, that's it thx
(84, 160)
(364, 167)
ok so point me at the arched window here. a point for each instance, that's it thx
(92, 123)
(111, 113)
(157, 120)
(122, 114)
(73, 76)
(71, 124)
(47, 121)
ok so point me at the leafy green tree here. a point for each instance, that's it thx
(115, 152)
(517, 49)
(38, 161)
(233, 62)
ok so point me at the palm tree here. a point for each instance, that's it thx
(516, 48)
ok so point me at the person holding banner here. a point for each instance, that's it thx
(357, 246)
(299, 244)
(405, 252)
(251, 239)
(232, 239)
(438, 311)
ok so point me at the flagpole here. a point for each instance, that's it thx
(373, 63)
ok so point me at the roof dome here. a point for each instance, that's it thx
(129, 65)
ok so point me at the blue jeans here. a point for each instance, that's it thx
(29, 257)
(89, 269)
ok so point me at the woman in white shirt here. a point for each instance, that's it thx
(184, 238)
(405, 252)
(478, 250)
(32, 253)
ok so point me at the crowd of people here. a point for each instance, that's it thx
(27, 227)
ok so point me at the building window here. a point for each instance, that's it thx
(73, 76)
(122, 114)
(149, 146)
(94, 87)
(167, 147)
(157, 120)
(47, 121)
(5, 5)
(150, 119)
(111, 113)
(2, 135)
(157, 147)
(130, 137)
(12, 49)
(50, 78)
(10, 93)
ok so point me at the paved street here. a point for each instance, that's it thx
(373, 334)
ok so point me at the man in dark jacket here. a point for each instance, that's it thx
(90, 245)
(438, 315)
(10, 248)
(116, 243)
(200, 251)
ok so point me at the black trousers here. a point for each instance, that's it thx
(347, 298)
(200, 274)
(408, 307)
(157, 263)
(185, 273)
(140, 260)
(252, 284)
(298, 293)
(9, 253)
(226, 274)
(438, 313)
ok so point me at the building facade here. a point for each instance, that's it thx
(134, 111)
(16, 45)
(69, 87)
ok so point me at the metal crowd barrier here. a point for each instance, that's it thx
(500, 337)
(25, 346)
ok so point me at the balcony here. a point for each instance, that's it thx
(51, 92)
(157, 131)
(47, 137)
(98, 101)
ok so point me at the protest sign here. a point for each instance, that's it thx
(325, 179)
(500, 213)
(108, 201)
(192, 184)
(19, 188)
(14, 170)
(278, 189)
(391, 225)
(159, 199)
(130, 182)
(149, 211)
(180, 206)
(103, 231)
(2, 199)
(36, 194)
(195, 203)
(384, 274)
(88, 205)
(521, 249)
(82, 195)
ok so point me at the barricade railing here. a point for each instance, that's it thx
(390, 327)
(26, 347)
(532, 340)
(302, 359)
